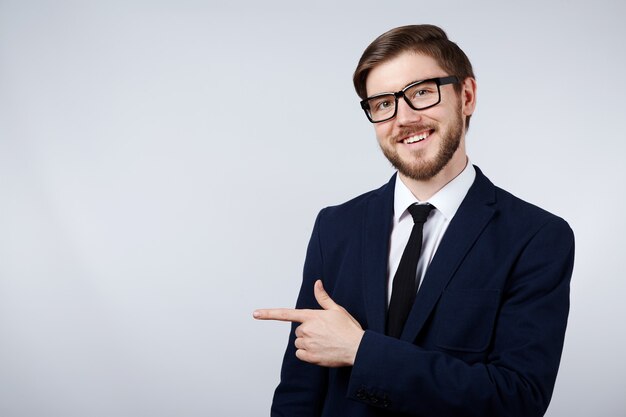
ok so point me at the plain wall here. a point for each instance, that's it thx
(162, 163)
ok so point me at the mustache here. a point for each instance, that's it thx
(408, 132)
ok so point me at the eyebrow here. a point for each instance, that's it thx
(393, 92)
(416, 81)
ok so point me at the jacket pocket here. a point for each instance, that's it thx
(465, 319)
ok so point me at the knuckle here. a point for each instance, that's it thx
(303, 329)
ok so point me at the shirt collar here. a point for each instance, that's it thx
(447, 200)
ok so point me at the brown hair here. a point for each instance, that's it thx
(429, 40)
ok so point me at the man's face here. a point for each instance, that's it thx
(418, 143)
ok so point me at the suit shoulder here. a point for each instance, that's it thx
(527, 216)
(357, 205)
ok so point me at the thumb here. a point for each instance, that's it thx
(322, 296)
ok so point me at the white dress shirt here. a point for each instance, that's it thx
(446, 202)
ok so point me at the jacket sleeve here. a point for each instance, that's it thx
(302, 386)
(519, 375)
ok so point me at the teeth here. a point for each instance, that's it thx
(416, 138)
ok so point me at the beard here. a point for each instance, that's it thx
(420, 168)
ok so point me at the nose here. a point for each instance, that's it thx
(406, 115)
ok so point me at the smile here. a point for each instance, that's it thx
(417, 138)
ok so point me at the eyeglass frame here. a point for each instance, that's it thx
(451, 79)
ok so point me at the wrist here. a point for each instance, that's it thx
(355, 347)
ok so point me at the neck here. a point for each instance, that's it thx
(425, 189)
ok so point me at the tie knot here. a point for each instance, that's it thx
(420, 212)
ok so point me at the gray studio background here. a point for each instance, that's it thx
(162, 163)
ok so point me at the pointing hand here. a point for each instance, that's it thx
(328, 337)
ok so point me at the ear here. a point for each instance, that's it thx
(468, 96)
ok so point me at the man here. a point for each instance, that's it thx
(440, 294)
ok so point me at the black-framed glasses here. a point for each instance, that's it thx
(419, 95)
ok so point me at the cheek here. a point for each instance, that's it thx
(382, 130)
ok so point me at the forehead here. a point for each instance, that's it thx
(398, 72)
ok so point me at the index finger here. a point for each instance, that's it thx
(282, 314)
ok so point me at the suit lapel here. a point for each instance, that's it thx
(471, 218)
(376, 232)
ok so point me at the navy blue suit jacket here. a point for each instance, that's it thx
(485, 334)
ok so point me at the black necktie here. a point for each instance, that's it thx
(405, 283)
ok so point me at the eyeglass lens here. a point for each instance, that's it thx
(420, 96)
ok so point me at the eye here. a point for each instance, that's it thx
(424, 92)
(383, 105)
